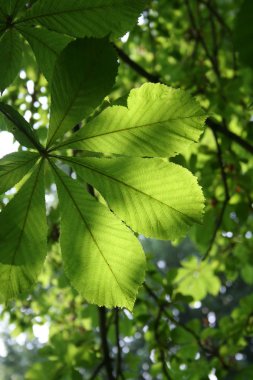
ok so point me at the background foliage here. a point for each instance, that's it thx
(193, 316)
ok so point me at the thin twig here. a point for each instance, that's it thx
(210, 351)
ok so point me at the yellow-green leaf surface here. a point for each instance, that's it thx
(102, 258)
(23, 237)
(197, 279)
(11, 51)
(159, 122)
(156, 198)
(84, 74)
(13, 168)
(46, 46)
(81, 18)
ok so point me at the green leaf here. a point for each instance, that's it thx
(91, 18)
(197, 279)
(46, 46)
(244, 33)
(11, 51)
(12, 7)
(159, 121)
(13, 167)
(18, 126)
(84, 74)
(156, 198)
(23, 237)
(103, 260)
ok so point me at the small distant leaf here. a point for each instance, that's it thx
(86, 18)
(14, 167)
(197, 279)
(156, 198)
(46, 46)
(18, 126)
(11, 51)
(244, 32)
(84, 74)
(102, 258)
(23, 237)
(159, 121)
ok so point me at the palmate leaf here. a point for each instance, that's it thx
(46, 46)
(84, 74)
(156, 198)
(102, 258)
(13, 168)
(159, 121)
(23, 237)
(81, 18)
(197, 279)
(11, 50)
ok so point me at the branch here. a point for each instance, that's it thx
(104, 343)
(119, 372)
(215, 126)
(136, 67)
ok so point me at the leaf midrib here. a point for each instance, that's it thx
(128, 129)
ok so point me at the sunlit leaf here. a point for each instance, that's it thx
(103, 260)
(159, 121)
(84, 74)
(197, 279)
(154, 197)
(13, 122)
(11, 50)
(23, 237)
(14, 166)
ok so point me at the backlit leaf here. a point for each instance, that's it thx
(159, 121)
(102, 258)
(84, 74)
(23, 237)
(13, 167)
(11, 50)
(46, 46)
(156, 198)
(91, 18)
(18, 126)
